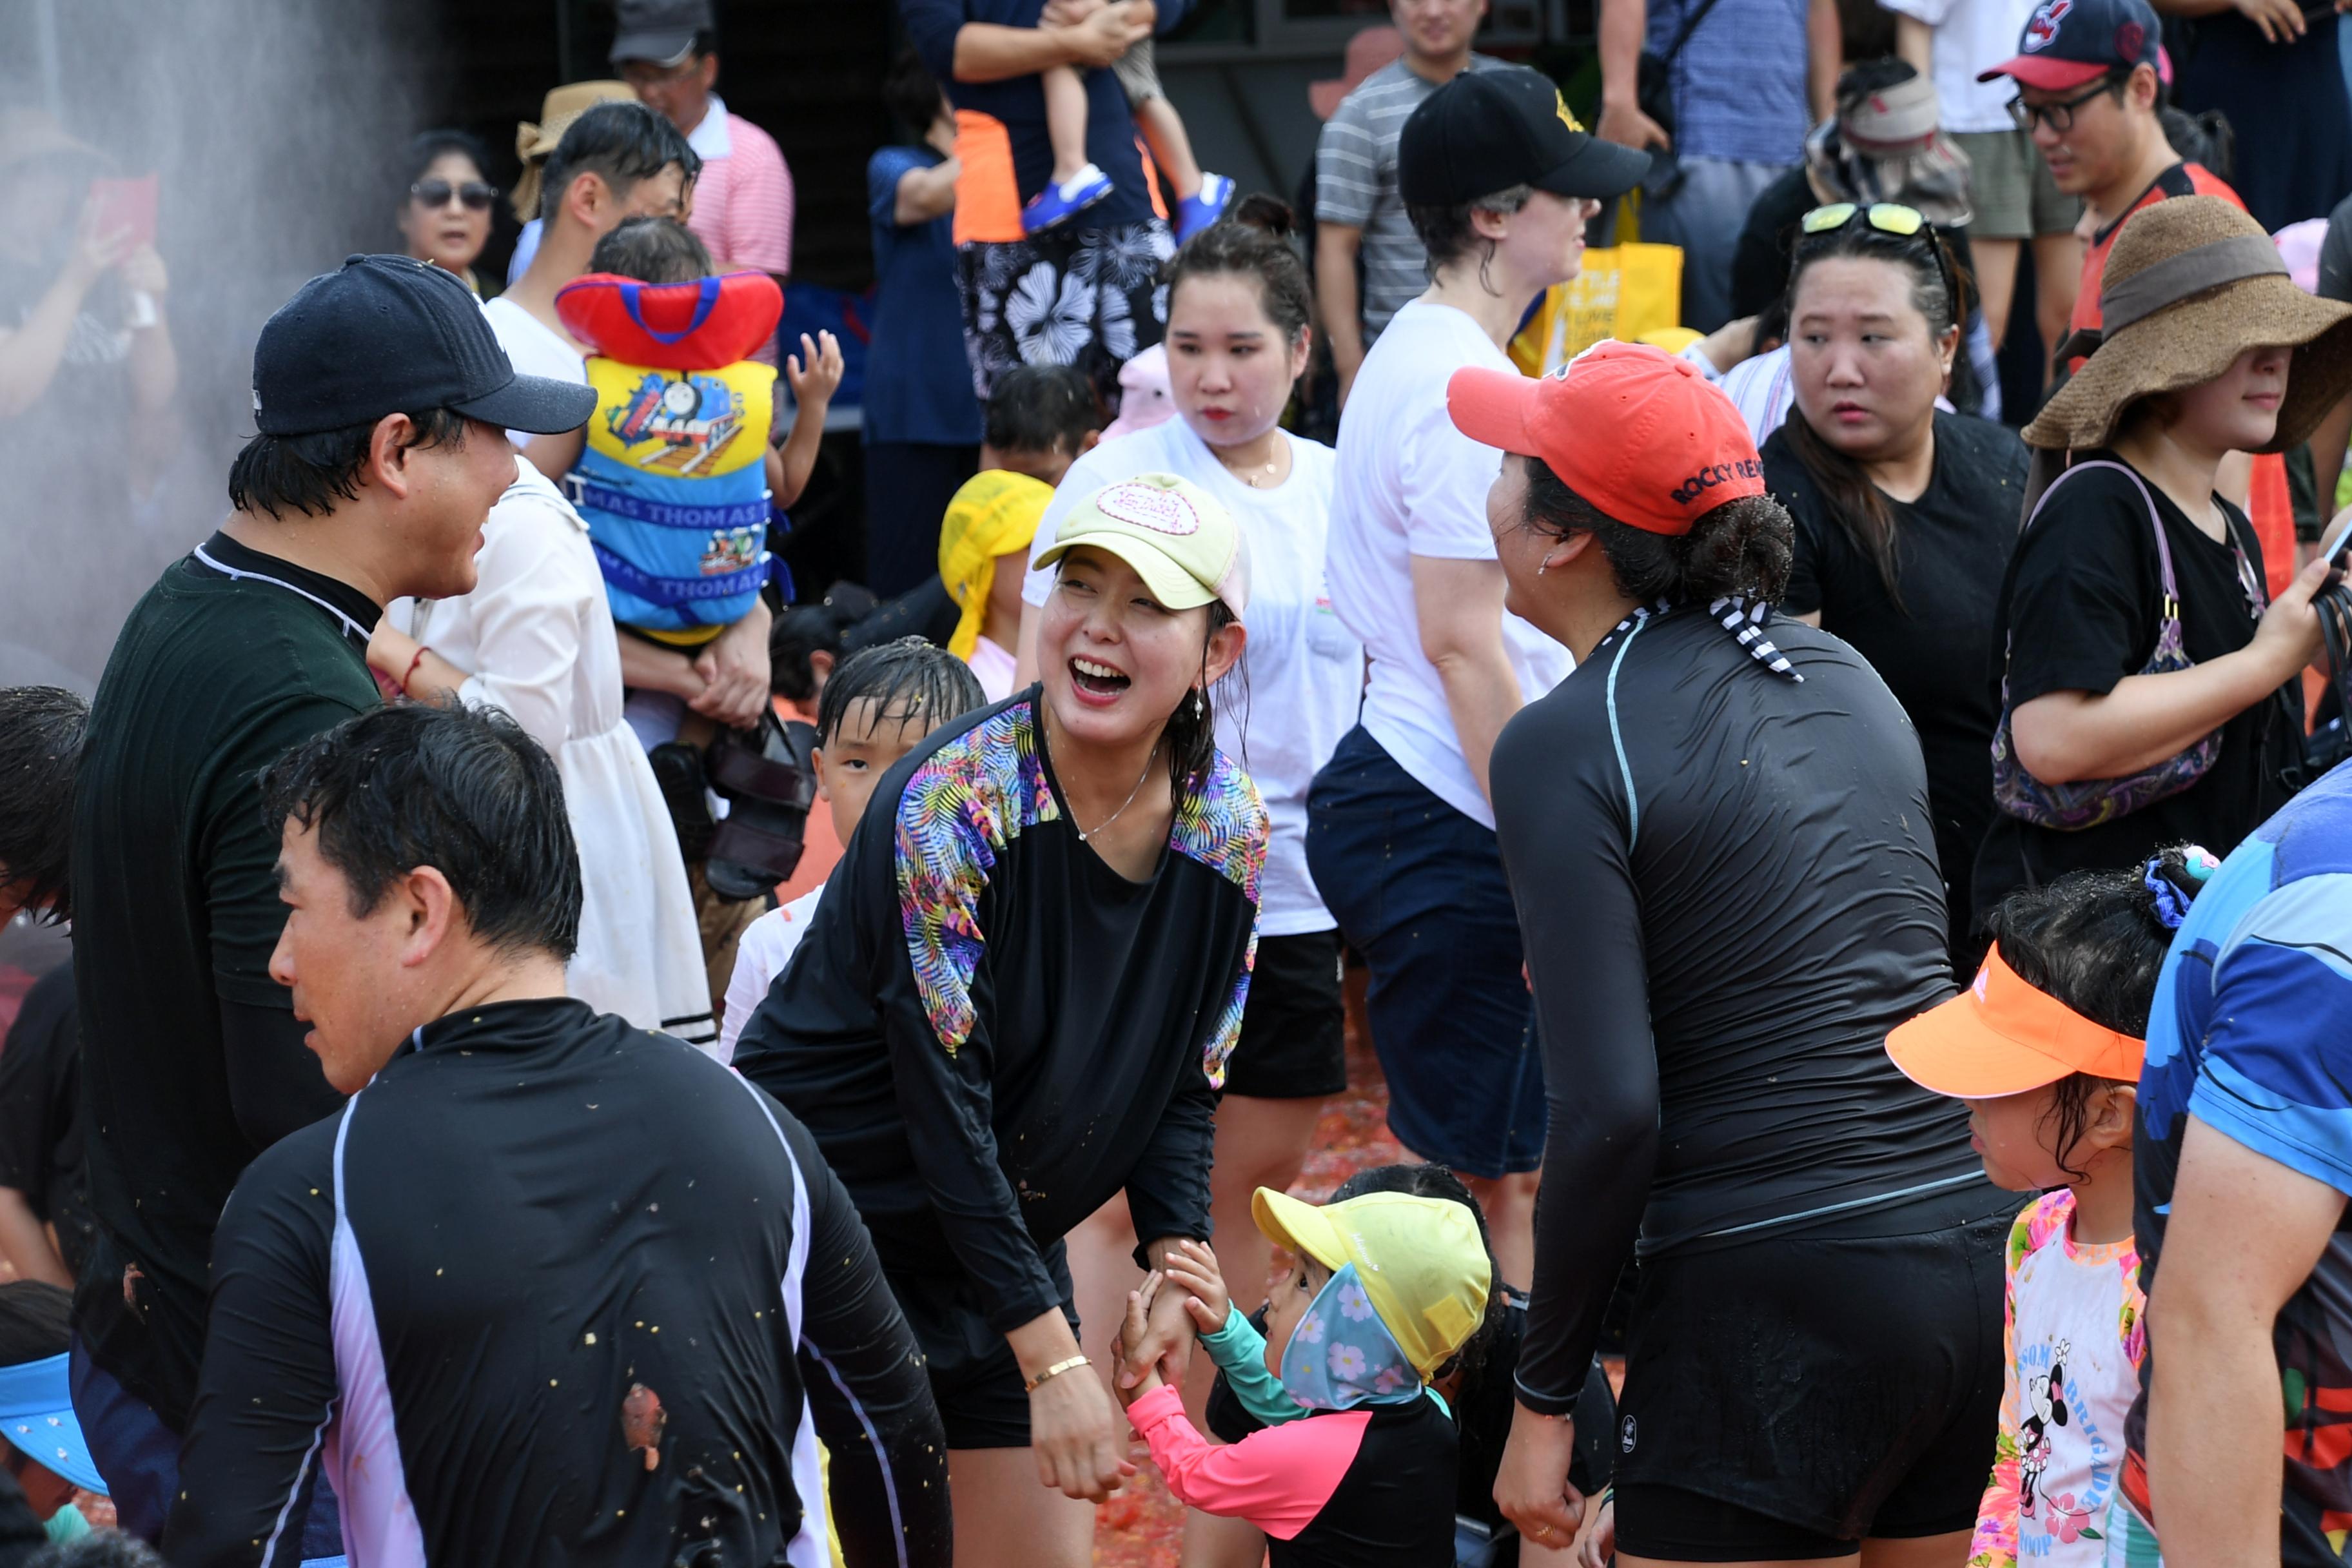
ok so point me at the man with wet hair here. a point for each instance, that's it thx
(379, 399)
(549, 1289)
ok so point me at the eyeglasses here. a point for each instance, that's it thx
(1886, 218)
(478, 195)
(2060, 115)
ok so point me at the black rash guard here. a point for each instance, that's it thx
(990, 1032)
(450, 1295)
(1727, 886)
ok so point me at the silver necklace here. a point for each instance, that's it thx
(1085, 833)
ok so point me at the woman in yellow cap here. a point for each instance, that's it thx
(984, 554)
(1019, 994)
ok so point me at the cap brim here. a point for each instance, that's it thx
(1299, 1228)
(1175, 588)
(668, 46)
(36, 1419)
(1491, 407)
(1949, 1050)
(2052, 76)
(538, 403)
(1601, 169)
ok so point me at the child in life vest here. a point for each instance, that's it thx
(678, 475)
(1385, 1288)
(2046, 1049)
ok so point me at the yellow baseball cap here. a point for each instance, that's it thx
(1421, 1261)
(1179, 538)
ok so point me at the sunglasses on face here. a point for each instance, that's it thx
(2059, 116)
(478, 195)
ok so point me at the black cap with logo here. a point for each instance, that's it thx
(386, 335)
(1486, 131)
(662, 31)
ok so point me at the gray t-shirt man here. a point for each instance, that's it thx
(1356, 184)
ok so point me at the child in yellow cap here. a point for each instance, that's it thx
(984, 544)
(1386, 1288)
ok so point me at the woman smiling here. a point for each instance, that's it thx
(1024, 994)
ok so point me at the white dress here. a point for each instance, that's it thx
(536, 638)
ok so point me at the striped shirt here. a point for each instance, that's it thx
(1739, 82)
(1356, 184)
(743, 200)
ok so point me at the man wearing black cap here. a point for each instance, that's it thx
(382, 401)
(1498, 183)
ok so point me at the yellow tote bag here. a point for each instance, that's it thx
(1625, 291)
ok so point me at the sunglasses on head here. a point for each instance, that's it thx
(478, 195)
(1886, 218)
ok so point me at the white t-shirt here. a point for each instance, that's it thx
(767, 944)
(1411, 484)
(533, 349)
(993, 668)
(1972, 36)
(1303, 670)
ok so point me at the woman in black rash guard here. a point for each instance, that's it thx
(1019, 994)
(1717, 838)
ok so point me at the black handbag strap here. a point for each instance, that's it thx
(1683, 36)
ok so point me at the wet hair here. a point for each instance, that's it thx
(1252, 240)
(35, 1322)
(427, 146)
(910, 92)
(1191, 732)
(466, 791)
(621, 143)
(310, 473)
(909, 681)
(2207, 139)
(41, 734)
(1450, 234)
(652, 250)
(804, 631)
(1043, 408)
(1742, 548)
(1939, 292)
(98, 1549)
(2094, 941)
(1439, 1181)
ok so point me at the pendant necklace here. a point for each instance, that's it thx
(1085, 833)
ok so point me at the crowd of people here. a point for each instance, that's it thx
(568, 1057)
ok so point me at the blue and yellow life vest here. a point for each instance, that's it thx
(672, 479)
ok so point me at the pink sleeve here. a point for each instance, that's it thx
(1279, 1478)
(758, 201)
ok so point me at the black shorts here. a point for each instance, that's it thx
(1787, 1397)
(975, 1378)
(1292, 1043)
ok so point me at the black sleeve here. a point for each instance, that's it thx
(267, 1385)
(2083, 614)
(1562, 827)
(275, 1085)
(866, 1387)
(1167, 1191)
(41, 1044)
(947, 1095)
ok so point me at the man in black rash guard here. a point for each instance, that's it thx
(549, 1289)
(1725, 870)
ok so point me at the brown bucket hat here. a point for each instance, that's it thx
(2191, 284)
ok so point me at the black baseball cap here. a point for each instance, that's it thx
(662, 31)
(1486, 131)
(2073, 43)
(387, 334)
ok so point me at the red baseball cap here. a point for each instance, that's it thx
(1635, 431)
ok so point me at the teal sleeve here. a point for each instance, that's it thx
(1239, 1351)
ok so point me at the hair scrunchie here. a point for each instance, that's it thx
(2171, 904)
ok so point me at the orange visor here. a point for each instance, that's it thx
(2003, 1036)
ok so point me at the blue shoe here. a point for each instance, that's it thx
(1059, 203)
(1197, 211)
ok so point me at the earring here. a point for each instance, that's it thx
(1199, 704)
(1542, 567)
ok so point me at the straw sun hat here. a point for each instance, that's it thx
(2191, 284)
(534, 143)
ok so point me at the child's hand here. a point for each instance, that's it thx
(816, 385)
(1193, 1266)
(1131, 1333)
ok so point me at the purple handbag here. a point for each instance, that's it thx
(2087, 802)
